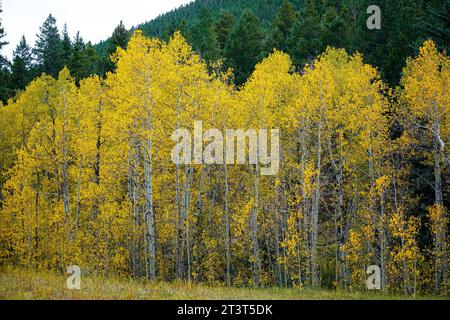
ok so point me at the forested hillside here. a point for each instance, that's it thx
(243, 32)
(304, 28)
(191, 13)
(87, 175)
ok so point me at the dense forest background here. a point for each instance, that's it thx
(242, 33)
(85, 170)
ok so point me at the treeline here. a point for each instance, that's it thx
(304, 28)
(243, 32)
(52, 51)
(87, 176)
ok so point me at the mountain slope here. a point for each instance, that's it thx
(166, 23)
(304, 29)
(265, 10)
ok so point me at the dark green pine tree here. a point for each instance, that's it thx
(306, 39)
(203, 37)
(335, 28)
(244, 48)
(282, 26)
(83, 60)
(175, 26)
(66, 44)
(22, 65)
(369, 42)
(78, 59)
(119, 39)
(437, 23)
(223, 27)
(2, 33)
(5, 75)
(403, 18)
(48, 50)
(397, 39)
(92, 60)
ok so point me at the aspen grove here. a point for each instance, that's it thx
(87, 177)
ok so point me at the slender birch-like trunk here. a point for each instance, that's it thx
(315, 210)
(227, 226)
(149, 214)
(65, 168)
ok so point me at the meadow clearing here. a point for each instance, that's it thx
(22, 284)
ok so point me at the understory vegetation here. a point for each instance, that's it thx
(25, 285)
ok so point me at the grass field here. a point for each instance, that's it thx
(23, 284)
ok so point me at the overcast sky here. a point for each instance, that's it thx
(95, 19)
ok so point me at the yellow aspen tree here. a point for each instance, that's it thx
(132, 94)
(405, 255)
(426, 94)
(438, 216)
(264, 98)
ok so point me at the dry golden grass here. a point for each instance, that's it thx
(24, 284)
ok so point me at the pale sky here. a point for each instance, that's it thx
(95, 19)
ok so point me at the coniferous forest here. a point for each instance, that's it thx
(87, 178)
